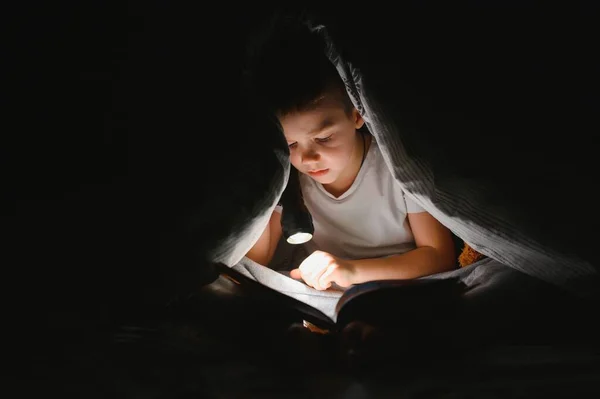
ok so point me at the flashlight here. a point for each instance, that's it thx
(296, 220)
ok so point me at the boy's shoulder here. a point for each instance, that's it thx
(374, 158)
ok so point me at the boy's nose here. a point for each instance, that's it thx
(309, 155)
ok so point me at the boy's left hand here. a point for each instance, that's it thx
(320, 269)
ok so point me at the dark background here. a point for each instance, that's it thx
(123, 121)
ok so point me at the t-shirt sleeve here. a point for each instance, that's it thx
(278, 208)
(412, 206)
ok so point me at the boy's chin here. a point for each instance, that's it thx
(327, 179)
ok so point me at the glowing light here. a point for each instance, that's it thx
(299, 238)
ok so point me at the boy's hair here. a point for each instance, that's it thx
(290, 71)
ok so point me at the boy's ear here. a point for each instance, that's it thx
(358, 119)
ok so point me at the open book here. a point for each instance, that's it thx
(377, 302)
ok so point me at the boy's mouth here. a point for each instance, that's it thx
(318, 172)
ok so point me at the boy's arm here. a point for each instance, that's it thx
(434, 254)
(262, 252)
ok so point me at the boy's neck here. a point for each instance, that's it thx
(345, 180)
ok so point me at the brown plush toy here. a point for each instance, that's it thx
(468, 256)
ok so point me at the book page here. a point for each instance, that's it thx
(324, 301)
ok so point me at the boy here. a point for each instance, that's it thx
(365, 227)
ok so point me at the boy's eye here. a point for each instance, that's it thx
(324, 139)
(292, 145)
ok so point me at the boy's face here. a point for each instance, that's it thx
(323, 141)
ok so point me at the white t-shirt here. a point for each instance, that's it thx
(367, 221)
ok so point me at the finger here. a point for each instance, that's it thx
(310, 267)
(328, 274)
(295, 273)
(328, 277)
(309, 279)
(320, 283)
(301, 274)
(311, 276)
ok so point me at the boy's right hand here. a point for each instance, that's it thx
(321, 269)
